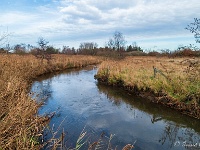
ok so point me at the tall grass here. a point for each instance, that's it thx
(20, 126)
(87, 141)
(177, 79)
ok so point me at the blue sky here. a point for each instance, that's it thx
(152, 24)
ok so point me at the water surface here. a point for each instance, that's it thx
(81, 103)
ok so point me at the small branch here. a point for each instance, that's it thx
(155, 70)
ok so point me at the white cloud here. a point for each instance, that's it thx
(10, 18)
(76, 20)
(130, 13)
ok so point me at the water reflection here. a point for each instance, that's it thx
(156, 112)
(81, 102)
(178, 131)
(42, 90)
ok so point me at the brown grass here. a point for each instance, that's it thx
(178, 79)
(20, 126)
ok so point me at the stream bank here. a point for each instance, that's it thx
(192, 109)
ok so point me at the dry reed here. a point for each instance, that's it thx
(175, 78)
(20, 126)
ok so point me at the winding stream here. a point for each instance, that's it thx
(82, 104)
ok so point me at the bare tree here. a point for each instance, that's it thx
(88, 45)
(42, 43)
(195, 28)
(4, 38)
(42, 50)
(88, 48)
(111, 43)
(69, 51)
(117, 42)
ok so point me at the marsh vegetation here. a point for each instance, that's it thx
(173, 82)
(20, 126)
(177, 87)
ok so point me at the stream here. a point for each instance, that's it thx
(81, 104)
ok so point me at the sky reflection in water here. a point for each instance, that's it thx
(80, 102)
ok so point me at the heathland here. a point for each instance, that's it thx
(173, 82)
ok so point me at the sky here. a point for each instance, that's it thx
(152, 24)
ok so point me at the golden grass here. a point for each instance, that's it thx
(181, 79)
(20, 127)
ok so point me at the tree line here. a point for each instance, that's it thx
(116, 45)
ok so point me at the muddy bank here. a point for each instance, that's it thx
(191, 109)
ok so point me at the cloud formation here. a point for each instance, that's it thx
(73, 21)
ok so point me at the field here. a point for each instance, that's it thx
(174, 82)
(20, 127)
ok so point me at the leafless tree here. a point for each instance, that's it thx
(195, 28)
(88, 45)
(111, 43)
(117, 42)
(41, 52)
(88, 48)
(69, 51)
(42, 43)
(4, 37)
